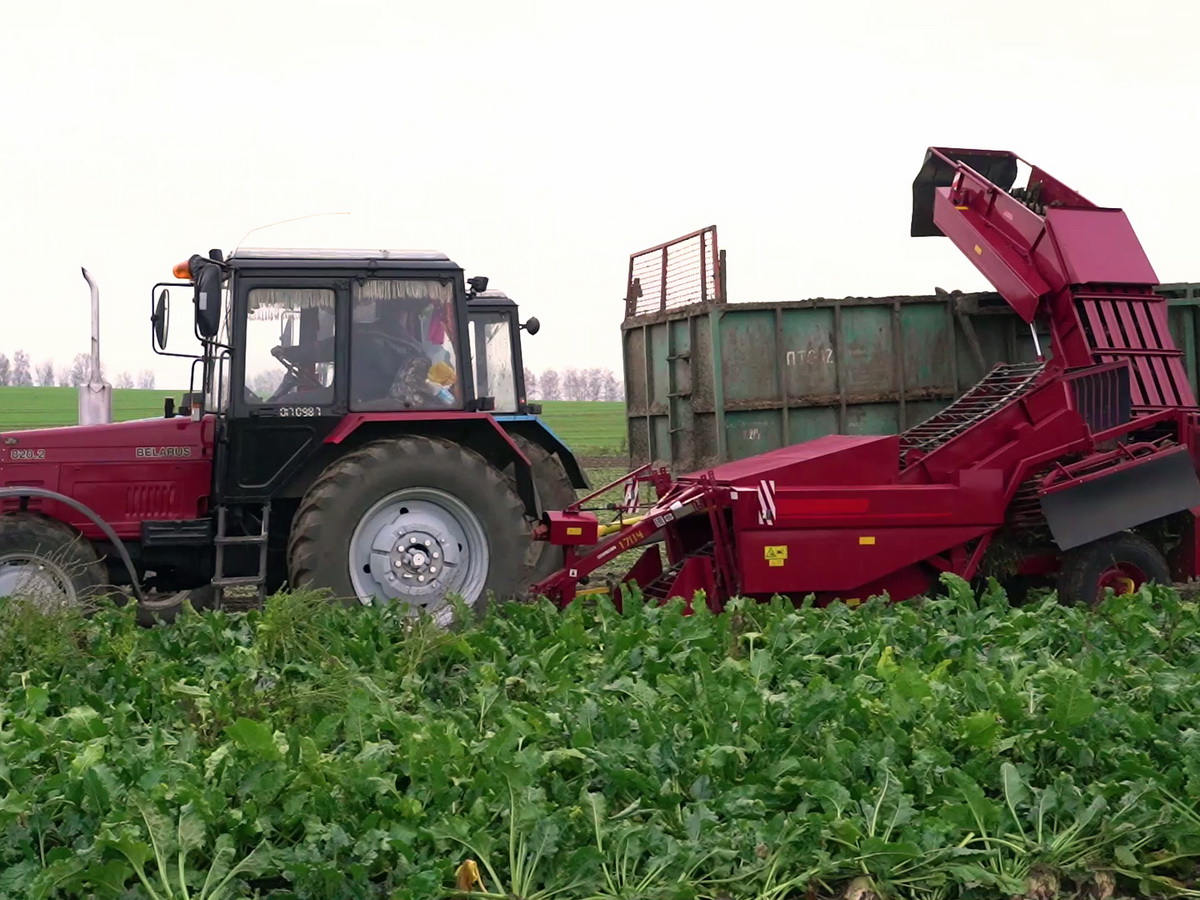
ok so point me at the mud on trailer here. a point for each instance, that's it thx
(356, 421)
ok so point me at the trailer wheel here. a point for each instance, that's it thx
(47, 563)
(555, 492)
(1123, 562)
(409, 521)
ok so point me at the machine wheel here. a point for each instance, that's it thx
(409, 521)
(555, 492)
(1123, 562)
(48, 563)
(165, 608)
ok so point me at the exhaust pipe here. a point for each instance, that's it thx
(95, 397)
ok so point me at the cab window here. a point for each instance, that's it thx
(492, 354)
(403, 345)
(290, 346)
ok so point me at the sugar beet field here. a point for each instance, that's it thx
(959, 746)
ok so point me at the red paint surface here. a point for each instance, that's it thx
(100, 466)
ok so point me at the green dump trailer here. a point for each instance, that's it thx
(707, 381)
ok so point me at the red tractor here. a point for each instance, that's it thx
(356, 421)
(1079, 469)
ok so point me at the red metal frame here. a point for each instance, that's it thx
(848, 517)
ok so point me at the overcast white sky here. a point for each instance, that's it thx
(541, 143)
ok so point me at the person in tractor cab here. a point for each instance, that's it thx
(303, 361)
(398, 355)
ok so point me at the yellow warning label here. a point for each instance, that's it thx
(775, 563)
(779, 553)
(978, 249)
(866, 540)
(574, 531)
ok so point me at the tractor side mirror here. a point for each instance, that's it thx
(161, 320)
(208, 297)
(285, 336)
(533, 326)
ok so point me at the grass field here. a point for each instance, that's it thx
(590, 429)
(49, 407)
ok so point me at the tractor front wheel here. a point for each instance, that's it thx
(47, 563)
(411, 521)
(1123, 562)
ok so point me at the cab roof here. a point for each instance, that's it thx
(492, 298)
(299, 257)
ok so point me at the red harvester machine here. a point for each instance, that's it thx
(1081, 467)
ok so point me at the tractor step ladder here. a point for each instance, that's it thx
(220, 580)
(1004, 384)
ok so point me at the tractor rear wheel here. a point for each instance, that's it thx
(1123, 562)
(47, 563)
(555, 492)
(410, 521)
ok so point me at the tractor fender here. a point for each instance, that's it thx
(536, 429)
(476, 431)
(20, 491)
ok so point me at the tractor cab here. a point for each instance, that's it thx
(498, 370)
(309, 334)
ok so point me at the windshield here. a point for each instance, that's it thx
(403, 345)
(492, 356)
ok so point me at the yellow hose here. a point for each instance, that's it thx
(614, 527)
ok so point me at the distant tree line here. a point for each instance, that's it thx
(550, 384)
(19, 372)
(574, 384)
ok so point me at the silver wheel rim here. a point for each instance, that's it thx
(37, 580)
(415, 547)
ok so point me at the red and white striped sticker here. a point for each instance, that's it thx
(766, 502)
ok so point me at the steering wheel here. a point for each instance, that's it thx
(406, 345)
(295, 376)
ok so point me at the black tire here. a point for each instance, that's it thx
(319, 548)
(1087, 570)
(554, 491)
(165, 608)
(61, 554)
